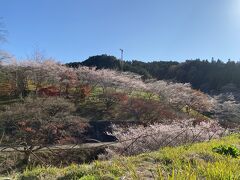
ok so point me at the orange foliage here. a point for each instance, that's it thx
(85, 91)
(120, 97)
(6, 89)
(148, 110)
(49, 91)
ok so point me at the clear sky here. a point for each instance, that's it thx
(147, 30)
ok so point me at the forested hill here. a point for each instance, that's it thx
(208, 76)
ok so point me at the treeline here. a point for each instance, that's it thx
(208, 76)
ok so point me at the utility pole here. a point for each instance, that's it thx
(121, 54)
(121, 60)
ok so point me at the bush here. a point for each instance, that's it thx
(55, 106)
(39, 108)
(36, 123)
(227, 150)
(146, 111)
(138, 139)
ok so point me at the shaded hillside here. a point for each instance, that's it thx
(208, 76)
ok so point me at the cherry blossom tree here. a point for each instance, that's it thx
(181, 95)
(138, 139)
(16, 77)
(227, 110)
(106, 78)
(4, 57)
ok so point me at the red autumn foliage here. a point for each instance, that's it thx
(6, 89)
(147, 111)
(120, 97)
(39, 133)
(85, 91)
(63, 133)
(49, 91)
(110, 99)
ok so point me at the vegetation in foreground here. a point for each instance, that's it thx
(196, 161)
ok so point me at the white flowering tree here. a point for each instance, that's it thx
(227, 110)
(138, 139)
(4, 57)
(106, 78)
(181, 95)
(16, 77)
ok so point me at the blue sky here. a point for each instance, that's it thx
(147, 30)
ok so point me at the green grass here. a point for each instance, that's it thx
(197, 161)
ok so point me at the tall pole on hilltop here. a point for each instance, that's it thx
(121, 60)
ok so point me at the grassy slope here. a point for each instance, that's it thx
(185, 162)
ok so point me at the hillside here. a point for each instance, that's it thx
(208, 76)
(196, 161)
(48, 112)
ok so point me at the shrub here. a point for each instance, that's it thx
(49, 91)
(227, 150)
(37, 123)
(112, 98)
(57, 106)
(138, 139)
(147, 111)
